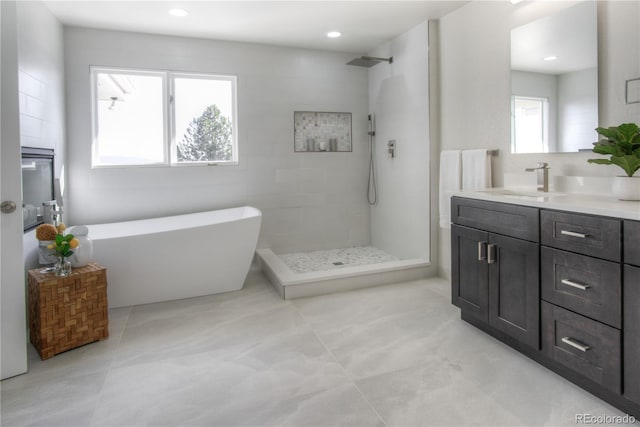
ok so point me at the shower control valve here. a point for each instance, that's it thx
(391, 148)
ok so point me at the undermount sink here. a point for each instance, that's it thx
(523, 194)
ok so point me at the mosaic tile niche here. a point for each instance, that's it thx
(321, 131)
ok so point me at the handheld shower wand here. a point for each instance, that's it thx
(372, 189)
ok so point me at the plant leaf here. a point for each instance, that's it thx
(606, 147)
(627, 131)
(610, 133)
(59, 238)
(68, 237)
(630, 164)
(600, 161)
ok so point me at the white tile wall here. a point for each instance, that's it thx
(41, 69)
(272, 84)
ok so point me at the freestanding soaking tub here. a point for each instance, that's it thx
(176, 257)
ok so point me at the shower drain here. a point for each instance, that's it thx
(338, 263)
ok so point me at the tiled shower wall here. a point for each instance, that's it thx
(313, 129)
(309, 201)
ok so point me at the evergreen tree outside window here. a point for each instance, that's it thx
(208, 138)
(203, 119)
(151, 118)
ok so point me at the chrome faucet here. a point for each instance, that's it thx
(543, 175)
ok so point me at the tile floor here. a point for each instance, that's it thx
(331, 259)
(395, 355)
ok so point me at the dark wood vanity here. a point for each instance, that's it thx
(561, 287)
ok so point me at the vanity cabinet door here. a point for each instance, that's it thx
(632, 242)
(469, 272)
(631, 333)
(514, 288)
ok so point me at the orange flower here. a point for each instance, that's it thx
(74, 243)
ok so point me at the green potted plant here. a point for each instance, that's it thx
(622, 145)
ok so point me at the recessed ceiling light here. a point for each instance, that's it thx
(178, 12)
(550, 58)
(515, 1)
(334, 34)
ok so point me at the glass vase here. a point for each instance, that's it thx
(62, 267)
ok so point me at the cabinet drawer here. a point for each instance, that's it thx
(511, 220)
(585, 346)
(583, 234)
(632, 242)
(586, 285)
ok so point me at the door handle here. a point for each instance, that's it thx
(8, 206)
(482, 251)
(575, 344)
(575, 284)
(573, 234)
(491, 253)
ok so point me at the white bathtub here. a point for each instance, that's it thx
(176, 257)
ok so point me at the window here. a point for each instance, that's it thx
(530, 132)
(163, 118)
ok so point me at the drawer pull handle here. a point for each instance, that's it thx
(575, 285)
(573, 234)
(482, 251)
(575, 344)
(491, 254)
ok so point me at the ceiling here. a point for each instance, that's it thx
(570, 34)
(363, 24)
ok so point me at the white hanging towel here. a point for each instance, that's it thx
(450, 182)
(476, 169)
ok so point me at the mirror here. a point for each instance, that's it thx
(554, 82)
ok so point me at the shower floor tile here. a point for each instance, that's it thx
(307, 262)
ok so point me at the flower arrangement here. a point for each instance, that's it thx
(61, 244)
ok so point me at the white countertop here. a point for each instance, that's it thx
(578, 203)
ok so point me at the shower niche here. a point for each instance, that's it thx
(316, 131)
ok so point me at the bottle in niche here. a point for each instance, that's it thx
(333, 144)
(311, 144)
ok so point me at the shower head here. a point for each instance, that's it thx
(369, 61)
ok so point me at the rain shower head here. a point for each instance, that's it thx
(369, 61)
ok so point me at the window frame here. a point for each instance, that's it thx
(544, 125)
(169, 140)
(173, 143)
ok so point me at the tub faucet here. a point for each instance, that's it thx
(543, 175)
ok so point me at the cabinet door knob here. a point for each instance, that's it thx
(573, 234)
(482, 251)
(575, 284)
(491, 254)
(575, 344)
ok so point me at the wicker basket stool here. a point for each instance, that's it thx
(67, 312)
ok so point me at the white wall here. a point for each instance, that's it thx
(41, 91)
(475, 66)
(399, 99)
(309, 200)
